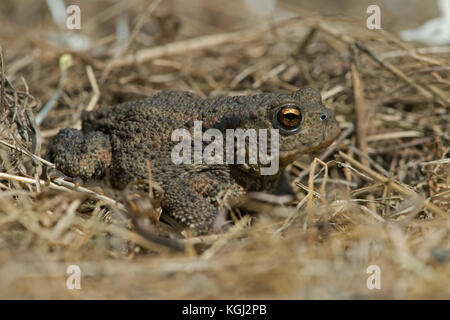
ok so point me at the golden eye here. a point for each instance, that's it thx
(289, 117)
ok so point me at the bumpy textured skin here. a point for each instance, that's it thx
(121, 138)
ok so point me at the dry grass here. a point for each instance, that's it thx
(380, 195)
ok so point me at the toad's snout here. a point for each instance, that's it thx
(332, 130)
(327, 115)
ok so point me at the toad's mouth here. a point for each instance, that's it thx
(287, 157)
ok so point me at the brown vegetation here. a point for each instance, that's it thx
(379, 195)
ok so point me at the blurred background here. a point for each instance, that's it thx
(33, 34)
(206, 16)
(185, 18)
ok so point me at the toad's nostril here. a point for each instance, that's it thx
(323, 116)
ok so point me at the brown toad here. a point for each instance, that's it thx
(117, 141)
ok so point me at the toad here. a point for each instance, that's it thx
(117, 142)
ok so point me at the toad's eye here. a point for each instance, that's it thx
(288, 118)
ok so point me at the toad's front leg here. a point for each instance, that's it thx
(195, 200)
